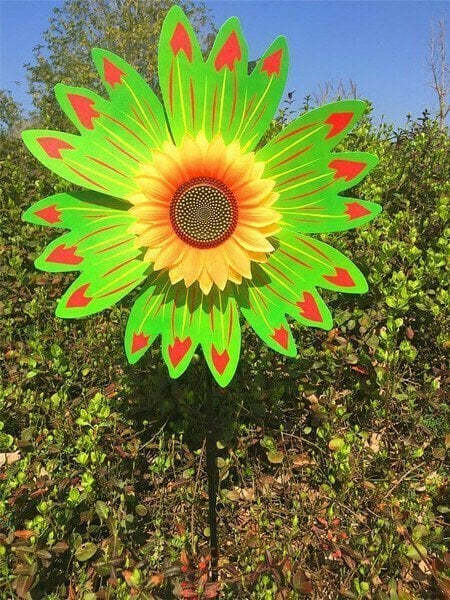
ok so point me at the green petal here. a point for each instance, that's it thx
(300, 258)
(181, 75)
(225, 82)
(180, 334)
(97, 167)
(265, 88)
(267, 315)
(220, 334)
(147, 316)
(97, 289)
(326, 213)
(73, 210)
(98, 246)
(130, 94)
(309, 138)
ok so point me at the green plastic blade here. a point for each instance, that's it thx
(225, 83)
(265, 88)
(181, 75)
(73, 210)
(130, 94)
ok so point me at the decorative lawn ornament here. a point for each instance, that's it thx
(181, 201)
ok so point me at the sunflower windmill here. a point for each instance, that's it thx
(178, 201)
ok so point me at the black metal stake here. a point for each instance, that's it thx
(211, 469)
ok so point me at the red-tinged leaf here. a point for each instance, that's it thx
(24, 534)
(265, 311)
(75, 210)
(305, 140)
(226, 82)
(147, 316)
(22, 585)
(131, 95)
(220, 333)
(265, 88)
(301, 258)
(189, 594)
(309, 308)
(181, 75)
(360, 369)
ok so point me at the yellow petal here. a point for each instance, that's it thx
(215, 158)
(151, 213)
(216, 265)
(253, 192)
(138, 198)
(205, 282)
(170, 255)
(154, 236)
(155, 187)
(191, 265)
(258, 216)
(252, 239)
(238, 258)
(258, 170)
(168, 169)
(235, 277)
(190, 158)
(238, 172)
(175, 273)
(269, 230)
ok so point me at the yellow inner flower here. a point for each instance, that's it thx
(204, 212)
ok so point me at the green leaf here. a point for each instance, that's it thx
(336, 444)
(85, 551)
(275, 457)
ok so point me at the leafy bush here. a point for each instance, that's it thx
(331, 464)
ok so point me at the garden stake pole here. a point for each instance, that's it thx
(211, 469)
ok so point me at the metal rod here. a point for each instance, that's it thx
(211, 469)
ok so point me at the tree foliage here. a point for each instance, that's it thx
(129, 28)
(10, 113)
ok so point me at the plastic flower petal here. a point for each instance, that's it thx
(180, 203)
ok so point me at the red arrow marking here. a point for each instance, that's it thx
(229, 53)
(179, 349)
(272, 63)
(139, 342)
(180, 41)
(341, 278)
(338, 122)
(78, 299)
(53, 146)
(112, 74)
(64, 255)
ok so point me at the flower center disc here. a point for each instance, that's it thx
(203, 212)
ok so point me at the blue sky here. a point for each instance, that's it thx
(382, 46)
